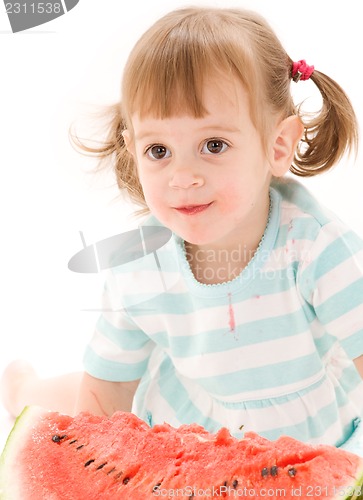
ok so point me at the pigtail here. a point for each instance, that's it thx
(330, 134)
(114, 150)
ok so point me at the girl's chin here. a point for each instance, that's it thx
(200, 235)
(197, 240)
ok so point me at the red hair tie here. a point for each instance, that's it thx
(301, 71)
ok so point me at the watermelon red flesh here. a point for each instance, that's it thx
(56, 457)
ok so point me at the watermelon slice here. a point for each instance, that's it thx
(56, 457)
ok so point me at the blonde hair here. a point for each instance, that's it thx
(167, 68)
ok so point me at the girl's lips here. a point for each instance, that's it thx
(192, 209)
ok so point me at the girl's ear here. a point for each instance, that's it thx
(287, 135)
(129, 143)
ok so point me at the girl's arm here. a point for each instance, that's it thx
(104, 398)
(359, 365)
(69, 393)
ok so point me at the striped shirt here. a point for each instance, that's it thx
(269, 351)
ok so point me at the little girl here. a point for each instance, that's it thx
(250, 316)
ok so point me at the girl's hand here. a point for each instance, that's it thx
(359, 365)
(102, 397)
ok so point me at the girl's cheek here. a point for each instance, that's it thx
(152, 196)
(235, 199)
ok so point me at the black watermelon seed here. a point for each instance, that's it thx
(157, 486)
(264, 472)
(89, 462)
(101, 466)
(126, 480)
(57, 438)
(235, 484)
(79, 447)
(73, 441)
(274, 470)
(292, 472)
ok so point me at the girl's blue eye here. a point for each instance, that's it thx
(158, 152)
(214, 146)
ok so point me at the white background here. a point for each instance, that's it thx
(57, 73)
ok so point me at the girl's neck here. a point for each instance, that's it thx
(218, 263)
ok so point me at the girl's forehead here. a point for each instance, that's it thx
(226, 107)
(227, 90)
(217, 94)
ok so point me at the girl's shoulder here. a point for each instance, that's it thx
(303, 219)
(299, 202)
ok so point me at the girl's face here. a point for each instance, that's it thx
(206, 179)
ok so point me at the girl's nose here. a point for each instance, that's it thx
(185, 178)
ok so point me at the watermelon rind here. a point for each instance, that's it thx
(357, 491)
(11, 450)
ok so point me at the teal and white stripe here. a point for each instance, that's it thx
(282, 366)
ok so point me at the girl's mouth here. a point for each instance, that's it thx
(193, 209)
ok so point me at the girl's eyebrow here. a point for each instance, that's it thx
(219, 128)
(144, 135)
